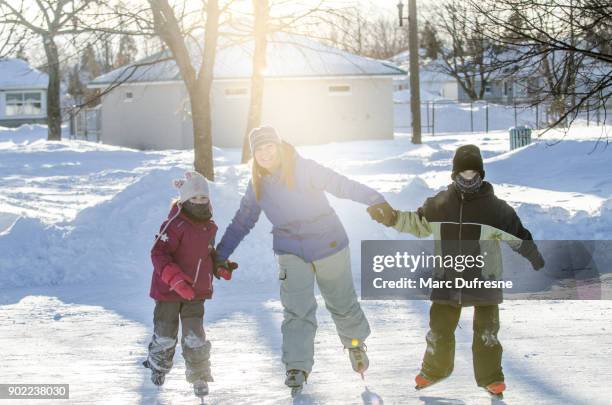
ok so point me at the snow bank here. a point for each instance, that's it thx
(109, 239)
(24, 134)
(560, 191)
(570, 165)
(7, 219)
(113, 238)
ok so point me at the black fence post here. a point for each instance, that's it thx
(588, 112)
(433, 118)
(428, 124)
(487, 116)
(72, 126)
(471, 117)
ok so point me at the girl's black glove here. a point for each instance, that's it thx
(222, 268)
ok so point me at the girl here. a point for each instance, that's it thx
(183, 258)
(310, 243)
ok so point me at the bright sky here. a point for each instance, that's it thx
(373, 7)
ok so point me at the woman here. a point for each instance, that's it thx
(310, 243)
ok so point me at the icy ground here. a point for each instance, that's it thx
(74, 275)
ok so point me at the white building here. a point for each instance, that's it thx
(435, 84)
(23, 93)
(313, 94)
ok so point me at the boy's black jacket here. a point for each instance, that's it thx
(479, 208)
(462, 217)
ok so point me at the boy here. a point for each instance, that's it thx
(459, 217)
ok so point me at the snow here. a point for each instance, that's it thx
(77, 220)
(18, 74)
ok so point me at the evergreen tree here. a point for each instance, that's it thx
(75, 86)
(429, 40)
(127, 51)
(21, 54)
(89, 62)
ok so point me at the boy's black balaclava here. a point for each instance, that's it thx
(199, 212)
(468, 157)
(468, 186)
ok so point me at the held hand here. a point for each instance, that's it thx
(224, 269)
(383, 213)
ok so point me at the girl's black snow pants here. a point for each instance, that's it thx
(195, 347)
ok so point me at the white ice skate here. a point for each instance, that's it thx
(359, 359)
(200, 389)
(295, 380)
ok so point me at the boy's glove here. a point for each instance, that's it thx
(224, 268)
(537, 261)
(383, 213)
(529, 250)
(178, 281)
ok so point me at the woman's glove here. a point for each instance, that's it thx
(178, 281)
(383, 213)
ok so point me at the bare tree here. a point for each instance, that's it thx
(261, 10)
(561, 46)
(375, 37)
(48, 20)
(169, 23)
(465, 52)
(268, 18)
(13, 40)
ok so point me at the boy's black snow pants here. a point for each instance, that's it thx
(439, 358)
(196, 349)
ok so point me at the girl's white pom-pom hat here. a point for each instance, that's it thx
(193, 185)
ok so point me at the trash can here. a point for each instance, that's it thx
(519, 136)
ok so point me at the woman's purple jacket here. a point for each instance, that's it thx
(304, 223)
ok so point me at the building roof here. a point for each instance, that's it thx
(18, 74)
(288, 56)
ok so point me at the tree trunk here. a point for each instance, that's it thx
(202, 139)
(261, 8)
(54, 112)
(200, 96)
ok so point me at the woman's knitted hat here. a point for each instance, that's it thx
(261, 135)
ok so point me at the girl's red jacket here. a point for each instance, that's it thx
(189, 244)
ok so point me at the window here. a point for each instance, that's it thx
(236, 92)
(340, 89)
(128, 97)
(23, 103)
(487, 89)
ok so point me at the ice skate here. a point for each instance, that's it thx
(295, 380)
